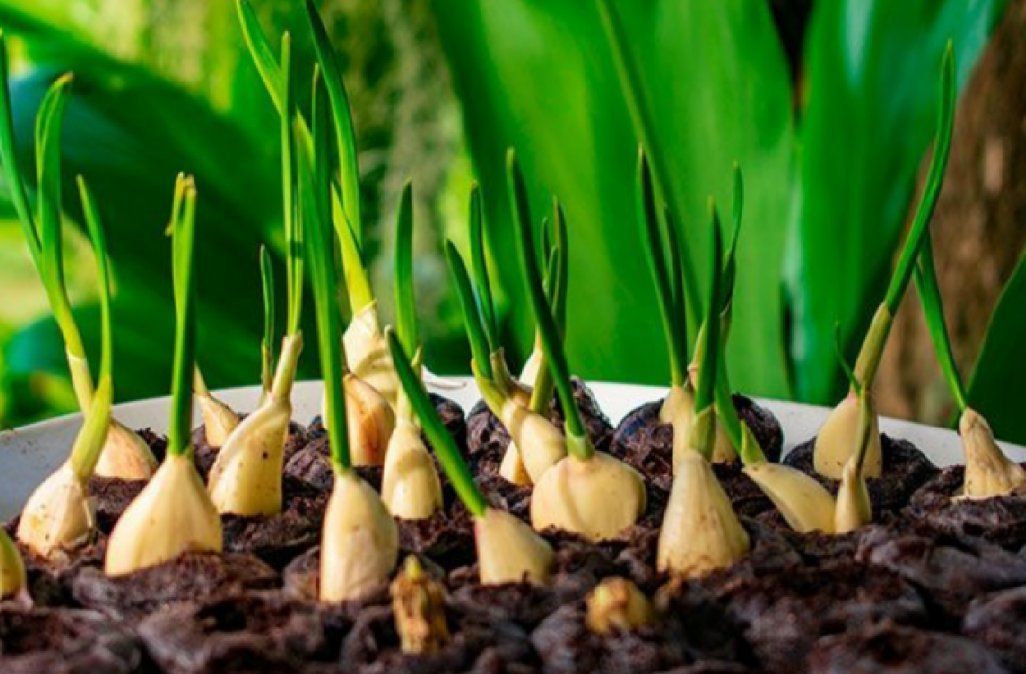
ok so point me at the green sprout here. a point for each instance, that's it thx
(933, 309)
(267, 341)
(405, 302)
(183, 230)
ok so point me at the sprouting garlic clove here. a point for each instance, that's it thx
(988, 472)
(838, 441)
(678, 410)
(219, 420)
(125, 455)
(359, 544)
(512, 468)
(12, 568)
(410, 486)
(418, 606)
(617, 605)
(173, 514)
(509, 551)
(370, 422)
(246, 476)
(597, 498)
(805, 504)
(853, 509)
(367, 353)
(700, 532)
(540, 443)
(58, 515)
(532, 365)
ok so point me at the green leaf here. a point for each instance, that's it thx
(871, 79)
(540, 77)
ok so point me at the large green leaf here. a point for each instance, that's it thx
(871, 96)
(540, 77)
(1000, 367)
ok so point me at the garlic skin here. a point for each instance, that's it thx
(512, 468)
(508, 551)
(678, 410)
(418, 607)
(617, 605)
(541, 445)
(410, 486)
(246, 476)
(58, 515)
(854, 509)
(219, 420)
(125, 455)
(359, 545)
(173, 514)
(988, 472)
(805, 504)
(597, 498)
(367, 353)
(838, 441)
(700, 532)
(370, 421)
(13, 580)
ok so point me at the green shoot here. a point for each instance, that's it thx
(405, 303)
(291, 220)
(673, 330)
(267, 342)
(448, 454)
(876, 336)
(730, 262)
(472, 320)
(323, 278)
(479, 269)
(578, 442)
(849, 373)
(709, 344)
(90, 441)
(263, 56)
(183, 230)
(556, 284)
(933, 308)
(644, 124)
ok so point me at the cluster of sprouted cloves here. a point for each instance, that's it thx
(988, 472)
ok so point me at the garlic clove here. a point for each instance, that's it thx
(533, 363)
(509, 551)
(838, 441)
(596, 498)
(853, 509)
(12, 568)
(125, 455)
(219, 420)
(246, 476)
(617, 605)
(410, 486)
(988, 472)
(512, 468)
(370, 422)
(367, 353)
(540, 443)
(359, 545)
(58, 515)
(173, 514)
(700, 532)
(805, 504)
(418, 606)
(678, 410)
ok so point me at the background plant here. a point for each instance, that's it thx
(829, 122)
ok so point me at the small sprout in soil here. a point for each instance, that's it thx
(13, 581)
(700, 531)
(586, 492)
(125, 454)
(418, 607)
(409, 484)
(854, 508)
(988, 472)
(617, 605)
(219, 420)
(173, 513)
(246, 476)
(59, 514)
(837, 439)
(359, 544)
(508, 551)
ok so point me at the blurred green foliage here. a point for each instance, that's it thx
(830, 162)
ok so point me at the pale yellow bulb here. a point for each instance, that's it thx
(805, 504)
(988, 472)
(367, 353)
(509, 551)
(838, 441)
(370, 420)
(540, 443)
(125, 455)
(58, 515)
(410, 486)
